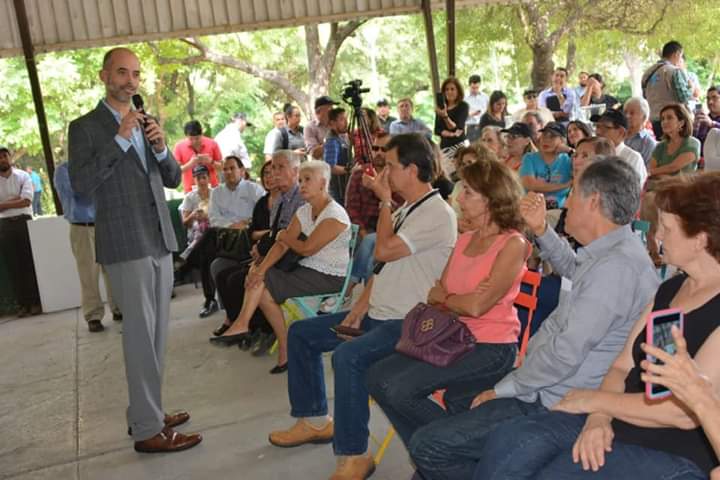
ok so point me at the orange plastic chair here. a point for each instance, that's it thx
(528, 301)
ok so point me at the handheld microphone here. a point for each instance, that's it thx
(139, 104)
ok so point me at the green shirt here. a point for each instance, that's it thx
(689, 144)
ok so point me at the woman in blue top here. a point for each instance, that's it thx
(548, 171)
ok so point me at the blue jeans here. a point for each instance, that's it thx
(401, 385)
(450, 448)
(364, 259)
(307, 340)
(540, 447)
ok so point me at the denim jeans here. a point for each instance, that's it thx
(449, 448)
(540, 447)
(401, 385)
(307, 340)
(364, 259)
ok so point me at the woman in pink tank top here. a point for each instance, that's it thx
(479, 283)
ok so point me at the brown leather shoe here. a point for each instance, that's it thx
(172, 421)
(355, 467)
(301, 433)
(168, 440)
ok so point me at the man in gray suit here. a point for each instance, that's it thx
(118, 155)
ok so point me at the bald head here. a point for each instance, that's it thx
(121, 75)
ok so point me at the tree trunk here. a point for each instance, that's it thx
(191, 97)
(542, 65)
(570, 55)
(634, 65)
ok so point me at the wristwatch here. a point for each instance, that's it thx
(386, 203)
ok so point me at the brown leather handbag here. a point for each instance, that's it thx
(434, 335)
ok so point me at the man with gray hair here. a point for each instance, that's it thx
(606, 285)
(637, 113)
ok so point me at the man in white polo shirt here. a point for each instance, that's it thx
(16, 196)
(613, 125)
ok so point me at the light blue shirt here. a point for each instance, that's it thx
(413, 125)
(643, 143)
(137, 140)
(77, 208)
(37, 181)
(560, 171)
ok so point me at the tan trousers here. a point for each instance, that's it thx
(82, 242)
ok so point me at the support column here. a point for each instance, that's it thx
(29, 53)
(430, 40)
(450, 19)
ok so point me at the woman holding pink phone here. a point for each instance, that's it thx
(681, 375)
(616, 431)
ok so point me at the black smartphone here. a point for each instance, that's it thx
(440, 100)
(347, 331)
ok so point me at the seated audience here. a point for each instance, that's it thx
(589, 150)
(320, 233)
(491, 138)
(414, 249)
(615, 431)
(407, 123)
(229, 275)
(595, 93)
(536, 123)
(548, 171)
(479, 284)
(607, 285)
(677, 153)
(639, 138)
(518, 139)
(681, 375)
(231, 206)
(559, 98)
(465, 157)
(576, 131)
(706, 121)
(530, 97)
(195, 207)
(613, 126)
(197, 149)
(497, 109)
(336, 153)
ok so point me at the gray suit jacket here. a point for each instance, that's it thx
(132, 219)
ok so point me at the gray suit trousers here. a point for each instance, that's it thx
(142, 290)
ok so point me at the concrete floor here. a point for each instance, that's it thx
(63, 397)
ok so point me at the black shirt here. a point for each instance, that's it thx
(261, 215)
(458, 114)
(487, 119)
(699, 324)
(385, 124)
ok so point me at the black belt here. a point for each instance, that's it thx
(16, 218)
(83, 224)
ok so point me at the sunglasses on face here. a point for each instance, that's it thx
(378, 148)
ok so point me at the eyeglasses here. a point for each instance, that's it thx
(378, 148)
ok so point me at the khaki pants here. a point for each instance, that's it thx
(82, 242)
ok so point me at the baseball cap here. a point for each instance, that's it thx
(556, 128)
(383, 103)
(199, 170)
(324, 100)
(615, 117)
(518, 129)
(243, 116)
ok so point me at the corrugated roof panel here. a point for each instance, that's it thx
(64, 24)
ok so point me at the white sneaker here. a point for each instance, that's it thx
(328, 305)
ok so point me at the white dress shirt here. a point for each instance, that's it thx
(479, 103)
(232, 206)
(231, 143)
(18, 184)
(634, 159)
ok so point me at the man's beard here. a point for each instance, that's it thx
(4, 167)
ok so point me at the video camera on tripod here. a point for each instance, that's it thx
(352, 95)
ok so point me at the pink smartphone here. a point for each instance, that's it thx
(659, 334)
